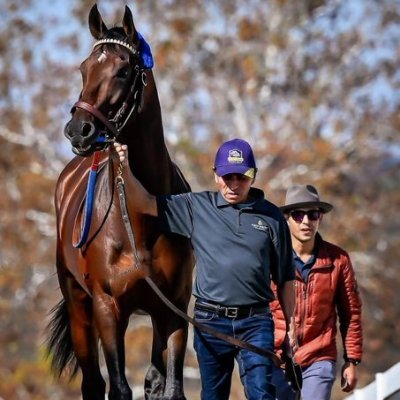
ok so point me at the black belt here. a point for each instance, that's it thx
(232, 312)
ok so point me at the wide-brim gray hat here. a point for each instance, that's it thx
(306, 196)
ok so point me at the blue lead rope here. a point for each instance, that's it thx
(89, 200)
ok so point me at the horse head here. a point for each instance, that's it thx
(113, 83)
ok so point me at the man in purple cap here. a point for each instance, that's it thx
(326, 290)
(240, 241)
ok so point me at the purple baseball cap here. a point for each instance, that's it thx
(235, 157)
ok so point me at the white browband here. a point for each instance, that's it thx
(116, 41)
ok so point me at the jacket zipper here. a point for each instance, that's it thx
(303, 311)
(305, 289)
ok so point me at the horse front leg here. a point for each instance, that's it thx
(85, 344)
(84, 339)
(154, 383)
(112, 328)
(176, 348)
(164, 379)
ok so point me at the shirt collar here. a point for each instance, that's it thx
(257, 196)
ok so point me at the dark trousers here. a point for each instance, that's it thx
(216, 357)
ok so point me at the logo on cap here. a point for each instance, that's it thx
(235, 157)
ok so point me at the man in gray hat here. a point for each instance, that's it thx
(326, 290)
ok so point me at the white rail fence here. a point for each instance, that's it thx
(386, 386)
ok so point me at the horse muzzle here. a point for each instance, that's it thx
(84, 137)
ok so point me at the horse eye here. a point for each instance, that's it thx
(123, 73)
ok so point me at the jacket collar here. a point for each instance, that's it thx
(323, 257)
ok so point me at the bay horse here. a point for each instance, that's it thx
(102, 279)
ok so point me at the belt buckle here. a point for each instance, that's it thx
(231, 312)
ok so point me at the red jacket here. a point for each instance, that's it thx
(330, 292)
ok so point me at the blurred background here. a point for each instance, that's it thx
(313, 85)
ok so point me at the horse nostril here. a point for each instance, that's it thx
(87, 129)
(67, 130)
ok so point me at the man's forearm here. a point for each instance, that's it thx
(287, 300)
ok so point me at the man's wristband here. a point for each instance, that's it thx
(352, 361)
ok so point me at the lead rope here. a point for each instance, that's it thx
(124, 211)
(236, 342)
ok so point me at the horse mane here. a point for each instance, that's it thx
(182, 185)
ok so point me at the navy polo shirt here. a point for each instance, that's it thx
(237, 248)
(305, 267)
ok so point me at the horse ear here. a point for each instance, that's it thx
(129, 26)
(96, 25)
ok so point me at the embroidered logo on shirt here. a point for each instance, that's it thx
(260, 226)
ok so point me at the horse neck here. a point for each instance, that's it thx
(148, 155)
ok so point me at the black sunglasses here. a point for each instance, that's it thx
(298, 215)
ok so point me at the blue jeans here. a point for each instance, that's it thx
(216, 357)
(318, 379)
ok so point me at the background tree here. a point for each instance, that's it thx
(313, 85)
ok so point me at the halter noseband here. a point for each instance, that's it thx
(114, 125)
